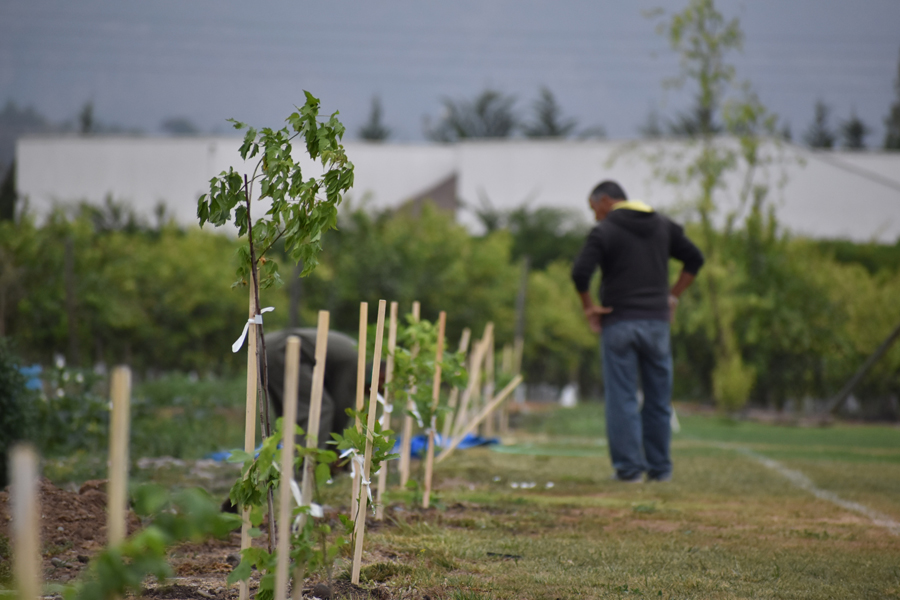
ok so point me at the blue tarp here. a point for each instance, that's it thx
(418, 446)
(33, 375)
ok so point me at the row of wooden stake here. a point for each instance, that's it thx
(361, 483)
(25, 495)
(26, 500)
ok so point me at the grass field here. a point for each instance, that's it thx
(728, 525)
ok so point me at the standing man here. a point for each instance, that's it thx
(632, 244)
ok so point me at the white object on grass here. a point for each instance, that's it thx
(569, 396)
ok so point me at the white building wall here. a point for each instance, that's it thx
(834, 194)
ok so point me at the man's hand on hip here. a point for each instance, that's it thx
(594, 314)
(673, 304)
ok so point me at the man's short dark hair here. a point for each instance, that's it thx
(609, 188)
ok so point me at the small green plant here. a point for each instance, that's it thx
(414, 367)
(313, 545)
(188, 515)
(413, 382)
(352, 444)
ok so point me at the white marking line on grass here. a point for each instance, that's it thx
(803, 482)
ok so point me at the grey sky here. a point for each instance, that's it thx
(141, 62)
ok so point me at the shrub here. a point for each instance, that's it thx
(17, 408)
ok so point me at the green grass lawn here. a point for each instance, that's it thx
(726, 526)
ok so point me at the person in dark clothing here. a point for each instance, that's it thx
(339, 391)
(632, 245)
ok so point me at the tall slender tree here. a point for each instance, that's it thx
(8, 194)
(703, 39)
(892, 121)
(548, 120)
(86, 124)
(853, 133)
(652, 126)
(820, 134)
(375, 130)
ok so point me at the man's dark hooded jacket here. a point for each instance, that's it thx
(632, 249)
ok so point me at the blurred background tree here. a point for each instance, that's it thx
(100, 286)
(179, 126)
(853, 133)
(488, 115)
(548, 121)
(819, 134)
(375, 130)
(892, 121)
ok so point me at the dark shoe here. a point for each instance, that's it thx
(660, 478)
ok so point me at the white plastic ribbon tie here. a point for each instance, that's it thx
(315, 510)
(255, 320)
(386, 409)
(432, 428)
(357, 460)
(295, 490)
(415, 412)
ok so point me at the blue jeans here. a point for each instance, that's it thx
(638, 436)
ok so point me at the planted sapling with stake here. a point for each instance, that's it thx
(311, 543)
(299, 210)
(352, 444)
(414, 371)
(295, 210)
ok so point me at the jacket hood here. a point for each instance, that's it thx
(642, 224)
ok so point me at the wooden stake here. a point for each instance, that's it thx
(117, 487)
(435, 400)
(249, 427)
(360, 393)
(506, 366)
(388, 407)
(474, 377)
(367, 459)
(518, 349)
(481, 416)
(291, 381)
(26, 511)
(454, 393)
(312, 433)
(489, 384)
(406, 434)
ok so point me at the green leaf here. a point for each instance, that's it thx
(323, 474)
(149, 499)
(241, 572)
(239, 456)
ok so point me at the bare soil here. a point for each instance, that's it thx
(73, 530)
(73, 526)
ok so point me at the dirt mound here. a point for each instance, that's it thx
(73, 526)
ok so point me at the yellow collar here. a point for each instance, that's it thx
(633, 205)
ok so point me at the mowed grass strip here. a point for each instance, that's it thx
(725, 527)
